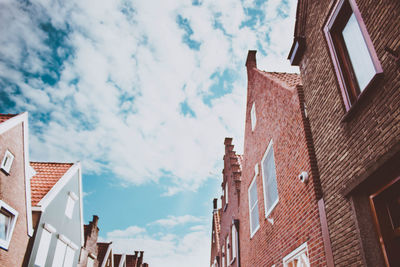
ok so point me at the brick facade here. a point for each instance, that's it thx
(357, 151)
(295, 219)
(91, 232)
(12, 192)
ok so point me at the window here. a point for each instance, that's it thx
(65, 252)
(223, 256)
(72, 197)
(269, 180)
(90, 262)
(297, 258)
(253, 206)
(226, 192)
(354, 58)
(228, 250)
(44, 244)
(234, 241)
(7, 162)
(253, 116)
(8, 218)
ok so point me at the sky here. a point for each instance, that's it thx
(142, 93)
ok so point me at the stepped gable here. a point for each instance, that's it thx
(47, 175)
(234, 163)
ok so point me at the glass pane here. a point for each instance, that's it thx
(270, 179)
(3, 225)
(254, 218)
(59, 254)
(253, 194)
(69, 257)
(44, 244)
(358, 52)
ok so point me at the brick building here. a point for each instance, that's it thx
(279, 212)
(89, 251)
(348, 54)
(225, 239)
(15, 194)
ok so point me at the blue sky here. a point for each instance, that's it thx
(143, 93)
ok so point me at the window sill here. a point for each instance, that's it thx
(361, 98)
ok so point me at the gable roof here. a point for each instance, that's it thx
(131, 260)
(7, 122)
(117, 259)
(4, 117)
(103, 251)
(47, 175)
(288, 80)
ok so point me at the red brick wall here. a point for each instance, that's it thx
(12, 191)
(296, 218)
(346, 150)
(231, 173)
(90, 246)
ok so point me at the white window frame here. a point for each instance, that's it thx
(7, 161)
(234, 242)
(223, 256)
(253, 116)
(226, 192)
(228, 250)
(64, 248)
(90, 262)
(4, 243)
(268, 212)
(44, 244)
(69, 208)
(296, 253)
(253, 231)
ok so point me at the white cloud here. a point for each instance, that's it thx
(128, 232)
(163, 248)
(172, 221)
(116, 105)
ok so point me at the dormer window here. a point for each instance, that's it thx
(253, 117)
(8, 217)
(72, 198)
(7, 162)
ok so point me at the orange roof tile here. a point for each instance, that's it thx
(4, 117)
(47, 175)
(289, 79)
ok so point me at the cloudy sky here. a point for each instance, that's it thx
(143, 93)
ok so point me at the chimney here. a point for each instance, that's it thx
(215, 204)
(140, 260)
(95, 220)
(251, 59)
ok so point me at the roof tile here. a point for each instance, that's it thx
(47, 175)
(4, 117)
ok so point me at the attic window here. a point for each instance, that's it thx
(72, 198)
(8, 217)
(7, 162)
(253, 116)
